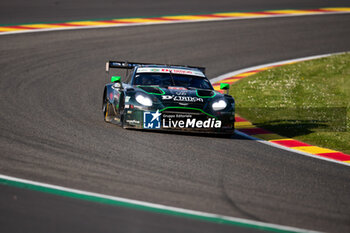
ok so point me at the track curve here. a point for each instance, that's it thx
(52, 129)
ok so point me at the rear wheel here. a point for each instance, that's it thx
(107, 111)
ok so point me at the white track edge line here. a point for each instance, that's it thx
(153, 205)
(170, 22)
(233, 73)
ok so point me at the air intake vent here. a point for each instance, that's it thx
(205, 93)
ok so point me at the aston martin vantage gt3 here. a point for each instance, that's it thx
(166, 97)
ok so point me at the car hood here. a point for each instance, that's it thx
(178, 96)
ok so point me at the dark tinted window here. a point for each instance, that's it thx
(165, 80)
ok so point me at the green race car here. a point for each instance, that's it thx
(166, 97)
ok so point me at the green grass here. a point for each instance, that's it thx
(308, 101)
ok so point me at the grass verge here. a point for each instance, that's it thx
(308, 101)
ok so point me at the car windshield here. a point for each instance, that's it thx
(167, 79)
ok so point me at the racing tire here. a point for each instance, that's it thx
(107, 111)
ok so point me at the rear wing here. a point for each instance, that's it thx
(131, 65)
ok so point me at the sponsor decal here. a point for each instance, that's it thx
(179, 120)
(182, 98)
(133, 121)
(116, 64)
(127, 98)
(180, 93)
(177, 88)
(172, 70)
(167, 97)
(191, 123)
(151, 120)
(156, 120)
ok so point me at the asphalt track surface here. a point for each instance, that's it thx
(22, 11)
(52, 130)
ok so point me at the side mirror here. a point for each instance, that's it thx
(225, 86)
(115, 79)
(117, 83)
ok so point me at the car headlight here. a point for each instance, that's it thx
(219, 105)
(144, 100)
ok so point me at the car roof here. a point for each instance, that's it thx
(166, 68)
